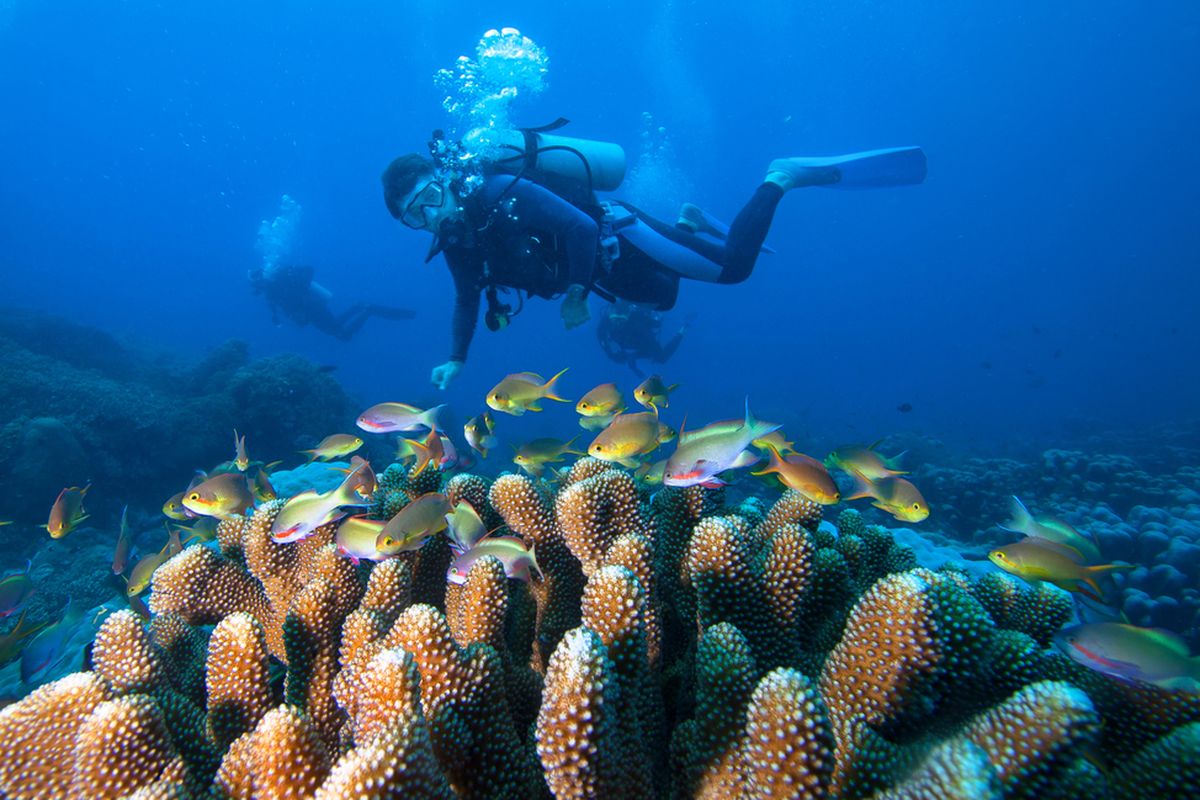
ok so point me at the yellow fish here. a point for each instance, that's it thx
(1039, 560)
(479, 433)
(651, 474)
(804, 474)
(896, 496)
(653, 393)
(413, 524)
(356, 537)
(240, 459)
(629, 436)
(1051, 529)
(67, 511)
(521, 392)
(143, 570)
(260, 483)
(864, 462)
(337, 445)
(534, 456)
(603, 401)
(221, 496)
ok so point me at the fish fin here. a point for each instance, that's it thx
(430, 415)
(1021, 520)
(757, 428)
(548, 390)
(672, 387)
(893, 462)
(744, 459)
(1103, 569)
(862, 488)
(629, 463)
(530, 407)
(1093, 589)
(424, 457)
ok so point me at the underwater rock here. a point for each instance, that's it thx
(51, 457)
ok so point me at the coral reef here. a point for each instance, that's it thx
(669, 647)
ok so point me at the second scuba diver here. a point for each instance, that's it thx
(502, 231)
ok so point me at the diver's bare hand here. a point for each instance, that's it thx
(574, 310)
(444, 374)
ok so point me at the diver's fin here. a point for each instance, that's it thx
(870, 169)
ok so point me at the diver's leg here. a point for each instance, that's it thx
(665, 351)
(390, 312)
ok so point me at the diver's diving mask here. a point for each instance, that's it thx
(432, 196)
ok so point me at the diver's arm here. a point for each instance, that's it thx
(465, 270)
(540, 209)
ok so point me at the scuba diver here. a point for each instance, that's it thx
(628, 332)
(531, 222)
(290, 288)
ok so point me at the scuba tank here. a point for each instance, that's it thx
(600, 166)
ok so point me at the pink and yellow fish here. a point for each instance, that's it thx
(67, 511)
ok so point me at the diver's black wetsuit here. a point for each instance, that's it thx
(520, 235)
(290, 289)
(629, 334)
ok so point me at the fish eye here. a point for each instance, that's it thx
(194, 496)
(917, 505)
(999, 554)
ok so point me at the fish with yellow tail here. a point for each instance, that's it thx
(336, 445)
(1051, 529)
(864, 462)
(143, 570)
(398, 418)
(464, 527)
(532, 457)
(896, 496)
(630, 436)
(522, 391)
(653, 393)
(360, 477)
(309, 510)
(703, 454)
(431, 451)
(413, 524)
(220, 496)
(240, 459)
(356, 537)
(776, 441)
(1132, 654)
(603, 401)
(174, 507)
(1037, 560)
(519, 561)
(803, 474)
(480, 433)
(67, 511)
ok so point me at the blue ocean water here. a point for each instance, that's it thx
(1042, 277)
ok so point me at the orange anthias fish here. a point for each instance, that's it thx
(653, 393)
(240, 459)
(431, 451)
(1039, 560)
(521, 392)
(67, 511)
(603, 401)
(360, 478)
(864, 462)
(336, 445)
(629, 436)
(14, 591)
(221, 496)
(804, 474)
(896, 496)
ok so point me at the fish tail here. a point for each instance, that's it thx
(893, 463)
(1104, 569)
(757, 429)
(424, 457)
(773, 463)
(548, 391)
(1021, 520)
(861, 490)
(429, 417)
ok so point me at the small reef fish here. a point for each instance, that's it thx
(413, 524)
(629, 436)
(1051, 529)
(49, 645)
(603, 401)
(398, 417)
(896, 496)
(776, 441)
(804, 474)
(260, 484)
(479, 433)
(221, 496)
(464, 527)
(143, 571)
(203, 529)
(175, 509)
(532, 457)
(521, 392)
(1129, 653)
(1039, 560)
(4, 522)
(14, 591)
(309, 510)
(518, 560)
(703, 454)
(10, 643)
(335, 445)
(124, 543)
(356, 537)
(67, 511)
(430, 451)
(653, 393)
(651, 474)
(449, 457)
(864, 462)
(240, 459)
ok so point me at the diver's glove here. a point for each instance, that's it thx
(574, 307)
(441, 376)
